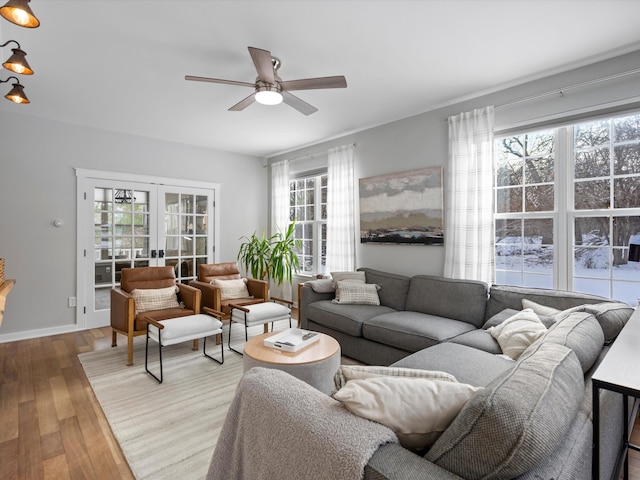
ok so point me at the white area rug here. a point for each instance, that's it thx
(168, 430)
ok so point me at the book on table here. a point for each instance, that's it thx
(292, 339)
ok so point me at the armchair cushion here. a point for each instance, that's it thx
(230, 289)
(150, 299)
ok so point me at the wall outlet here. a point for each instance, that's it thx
(72, 302)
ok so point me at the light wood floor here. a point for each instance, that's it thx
(51, 425)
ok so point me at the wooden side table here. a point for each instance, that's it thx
(619, 372)
(5, 288)
(315, 364)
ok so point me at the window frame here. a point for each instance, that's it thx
(318, 224)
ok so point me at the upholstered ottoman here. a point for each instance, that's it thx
(182, 329)
(257, 314)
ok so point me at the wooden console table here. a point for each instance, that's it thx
(619, 372)
(5, 288)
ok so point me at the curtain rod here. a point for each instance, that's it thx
(311, 155)
(560, 91)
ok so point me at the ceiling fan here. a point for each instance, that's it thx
(269, 87)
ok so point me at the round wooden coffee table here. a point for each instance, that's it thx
(315, 364)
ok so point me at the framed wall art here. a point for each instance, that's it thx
(402, 208)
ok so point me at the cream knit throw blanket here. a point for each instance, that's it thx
(278, 427)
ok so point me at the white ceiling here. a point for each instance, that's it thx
(120, 65)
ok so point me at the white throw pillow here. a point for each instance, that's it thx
(351, 277)
(418, 410)
(357, 293)
(540, 309)
(150, 299)
(230, 289)
(358, 372)
(516, 333)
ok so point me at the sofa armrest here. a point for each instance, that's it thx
(122, 311)
(210, 296)
(307, 296)
(392, 462)
(258, 288)
(190, 296)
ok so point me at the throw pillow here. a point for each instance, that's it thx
(151, 299)
(352, 277)
(357, 293)
(357, 372)
(230, 289)
(418, 410)
(540, 309)
(322, 286)
(515, 334)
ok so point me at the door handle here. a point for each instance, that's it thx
(161, 253)
(153, 254)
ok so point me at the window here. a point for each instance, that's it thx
(308, 206)
(568, 206)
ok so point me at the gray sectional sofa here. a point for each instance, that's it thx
(532, 420)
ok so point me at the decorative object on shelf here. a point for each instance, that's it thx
(16, 94)
(17, 62)
(274, 257)
(402, 208)
(19, 12)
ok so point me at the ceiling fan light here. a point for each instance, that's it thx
(268, 96)
(18, 63)
(16, 94)
(19, 12)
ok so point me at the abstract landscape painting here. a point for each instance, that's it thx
(403, 207)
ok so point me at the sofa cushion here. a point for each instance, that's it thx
(580, 332)
(516, 333)
(612, 316)
(480, 339)
(466, 364)
(394, 288)
(343, 318)
(412, 331)
(417, 409)
(500, 317)
(522, 415)
(463, 300)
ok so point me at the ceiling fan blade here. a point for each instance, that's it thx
(264, 66)
(300, 105)
(313, 83)
(218, 80)
(242, 104)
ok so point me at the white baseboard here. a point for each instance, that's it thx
(44, 332)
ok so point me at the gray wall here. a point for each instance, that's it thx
(422, 141)
(38, 185)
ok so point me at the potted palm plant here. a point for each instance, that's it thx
(271, 257)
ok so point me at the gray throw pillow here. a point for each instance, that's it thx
(517, 420)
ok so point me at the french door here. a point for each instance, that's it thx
(137, 224)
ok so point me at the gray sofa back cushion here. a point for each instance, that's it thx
(517, 420)
(580, 332)
(463, 300)
(393, 288)
(507, 296)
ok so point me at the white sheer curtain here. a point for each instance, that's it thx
(469, 231)
(279, 196)
(341, 248)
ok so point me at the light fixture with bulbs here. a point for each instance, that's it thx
(19, 12)
(16, 94)
(17, 62)
(268, 94)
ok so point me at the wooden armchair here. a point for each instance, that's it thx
(124, 319)
(212, 296)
